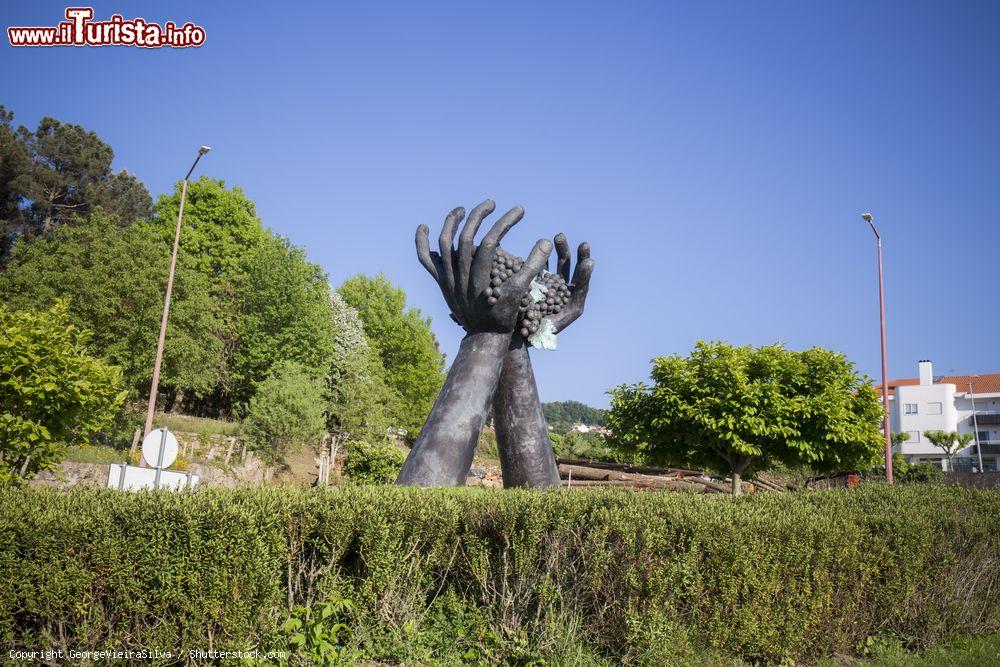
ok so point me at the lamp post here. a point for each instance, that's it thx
(867, 217)
(975, 425)
(166, 301)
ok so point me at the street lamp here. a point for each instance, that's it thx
(867, 217)
(166, 301)
(975, 424)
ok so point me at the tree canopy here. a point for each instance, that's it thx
(221, 228)
(741, 409)
(52, 391)
(360, 403)
(114, 280)
(58, 174)
(949, 442)
(403, 340)
(247, 305)
(283, 314)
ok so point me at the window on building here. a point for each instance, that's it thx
(910, 408)
(933, 408)
(983, 437)
(914, 436)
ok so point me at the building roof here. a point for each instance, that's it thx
(984, 383)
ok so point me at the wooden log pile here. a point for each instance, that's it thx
(584, 474)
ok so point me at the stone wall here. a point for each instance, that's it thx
(973, 480)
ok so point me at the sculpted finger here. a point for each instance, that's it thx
(582, 253)
(581, 286)
(483, 260)
(445, 244)
(424, 253)
(537, 260)
(467, 242)
(562, 256)
(581, 280)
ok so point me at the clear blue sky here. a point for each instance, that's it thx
(717, 156)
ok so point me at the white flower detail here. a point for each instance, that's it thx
(545, 337)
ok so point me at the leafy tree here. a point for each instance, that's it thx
(950, 443)
(114, 279)
(52, 391)
(284, 315)
(221, 228)
(68, 175)
(13, 163)
(403, 340)
(359, 402)
(741, 409)
(286, 410)
(373, 463)
(898, 439)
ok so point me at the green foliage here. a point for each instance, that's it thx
(899, 438)
(373, 463)
(317, 633)
(403, 341)
(221, 228)
(737, 409)
(360, 403)
(487, 447)
(561, 415)
(94, 454)
(286, 410)
(923, 473)
(56, 175)
(950, 443)
(53, 393)
(114, 279)
(906, 473)
(200, 425)
(575, 445)
(460, 576)
(284, 315)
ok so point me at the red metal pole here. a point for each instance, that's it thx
(885, 371)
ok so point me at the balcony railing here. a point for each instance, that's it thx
(988, 418)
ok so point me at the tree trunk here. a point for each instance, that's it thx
(738, 465)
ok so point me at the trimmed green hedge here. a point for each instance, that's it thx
(602, 577)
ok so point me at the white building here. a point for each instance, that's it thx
(945, 403)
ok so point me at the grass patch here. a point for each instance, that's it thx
(95, 454)
(199, 425)
(967, 651)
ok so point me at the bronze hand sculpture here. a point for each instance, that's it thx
(488, 292)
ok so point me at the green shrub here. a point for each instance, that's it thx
(483, 576)
(369, 463)
(286, 411)
(53, 392)
(922, 472)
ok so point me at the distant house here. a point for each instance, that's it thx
(588, 428)
(927, 403)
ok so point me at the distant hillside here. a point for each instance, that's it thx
(560, 415)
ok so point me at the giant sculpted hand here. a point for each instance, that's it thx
(488, 310)
(526, 457)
